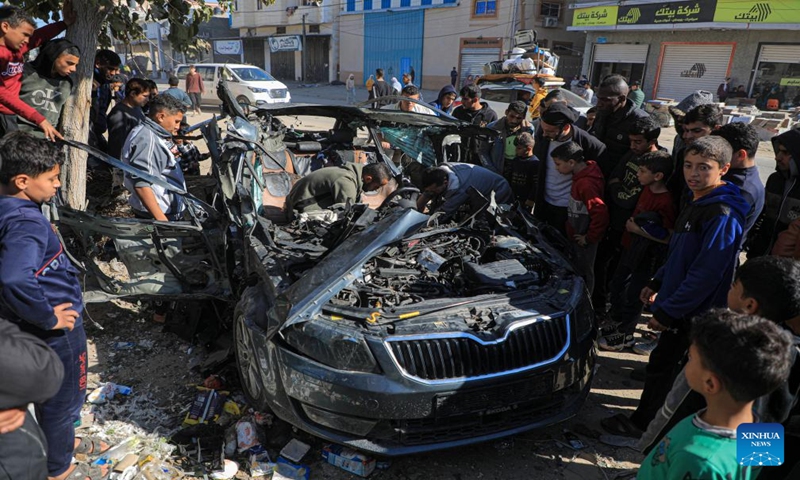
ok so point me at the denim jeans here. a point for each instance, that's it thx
(58, 415)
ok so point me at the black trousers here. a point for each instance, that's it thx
(8, 124)
(609, 252)
(665, 363)
(552, 215)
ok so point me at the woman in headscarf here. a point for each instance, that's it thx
(350, 86)
(47, 82)
(396, 87)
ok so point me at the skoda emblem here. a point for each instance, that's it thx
(619, 137)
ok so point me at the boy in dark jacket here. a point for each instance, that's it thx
(446, 101)
(770, 288)
(587, 215)
(644, 248)
(47, 82)
(39, 287)
(782, 203)
(127, 115)
(522, 172)
(17, 37)
(32, 372)
(696, 276)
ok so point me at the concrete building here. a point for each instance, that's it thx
(433, 36)
(272, 37)
(677, 47)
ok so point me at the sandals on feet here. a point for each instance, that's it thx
(82, 471)
(621, 425)
(90, 446)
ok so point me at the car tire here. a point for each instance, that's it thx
(246, 358)
(242, 100)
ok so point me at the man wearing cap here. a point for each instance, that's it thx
(556, 127)
(616, 113)
(636, 94)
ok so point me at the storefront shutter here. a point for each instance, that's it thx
(473, 60)
(620, 53)
(688, 67)
(780, 53)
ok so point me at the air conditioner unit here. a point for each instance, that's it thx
(550, 22)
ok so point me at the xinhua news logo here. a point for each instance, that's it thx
(759, 444)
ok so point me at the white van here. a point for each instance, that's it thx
(249, 84)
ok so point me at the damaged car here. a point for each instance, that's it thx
(370, 324)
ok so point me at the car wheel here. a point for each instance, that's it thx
(247, 359)
(242, 100)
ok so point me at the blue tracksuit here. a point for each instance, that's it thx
(702, 256)
(35, 276)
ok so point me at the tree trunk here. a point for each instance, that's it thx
(75, 119)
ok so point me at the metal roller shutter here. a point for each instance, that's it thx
(688, 67)
(620, 53)
(780, 53)
(473, 60)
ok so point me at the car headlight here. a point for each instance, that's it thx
(258, 90)
(584, 317)
(334, 345)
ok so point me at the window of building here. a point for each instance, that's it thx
(485, 8)
(280, 30)
(259, 5)
(449, 1)
(427, 2)
(564, 48)
(367, 4)
(550, 9)
(351, 5)
(405, 3)
(315, 29)
(386, 3)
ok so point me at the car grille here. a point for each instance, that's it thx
(277, 93)
(433, 359)
(517, 411)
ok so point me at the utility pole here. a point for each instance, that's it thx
(303, 51)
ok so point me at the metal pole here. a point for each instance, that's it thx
(303, 51)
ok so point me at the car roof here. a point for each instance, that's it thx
(233, 65)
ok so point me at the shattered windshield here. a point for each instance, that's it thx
(415, 142)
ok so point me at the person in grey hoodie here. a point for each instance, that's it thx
(150, 148)
(47, 82)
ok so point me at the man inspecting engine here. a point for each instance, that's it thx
(331, 185)
(452, 185)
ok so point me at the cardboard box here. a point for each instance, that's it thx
(348, 460)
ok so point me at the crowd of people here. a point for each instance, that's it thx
(645, 228)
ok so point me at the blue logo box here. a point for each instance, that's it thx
(759, 444)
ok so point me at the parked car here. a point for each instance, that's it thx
(250, 85)
(504, 89)
(374, 328)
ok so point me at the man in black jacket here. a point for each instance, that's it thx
(556, 127)
(32, 372)
(616, 114)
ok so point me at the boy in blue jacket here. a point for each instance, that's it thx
(39, 287)
(696, 276)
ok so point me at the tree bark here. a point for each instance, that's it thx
(75, 119)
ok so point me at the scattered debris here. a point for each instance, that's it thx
(350, 460)
(295, 450)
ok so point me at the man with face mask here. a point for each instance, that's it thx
(556, 127)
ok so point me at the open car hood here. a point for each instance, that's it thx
(305, 298)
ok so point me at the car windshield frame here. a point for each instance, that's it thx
(263, 76)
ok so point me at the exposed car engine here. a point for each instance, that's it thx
(445, 263)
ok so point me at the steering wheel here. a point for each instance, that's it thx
(410, 192)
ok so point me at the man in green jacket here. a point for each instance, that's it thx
(331, 185)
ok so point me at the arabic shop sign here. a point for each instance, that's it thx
(288, 43)
(228, 47)
(595, 17)
(676, 12)
(755, 11)
(790, 82)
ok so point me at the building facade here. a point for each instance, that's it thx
(677, 47)
(272, 37)
(433, 36)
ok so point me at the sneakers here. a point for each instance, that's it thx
(644, 348)
(614, 342)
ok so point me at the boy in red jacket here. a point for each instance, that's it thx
(587, 214)
(17, 37)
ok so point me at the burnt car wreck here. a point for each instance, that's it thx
(375, 328)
